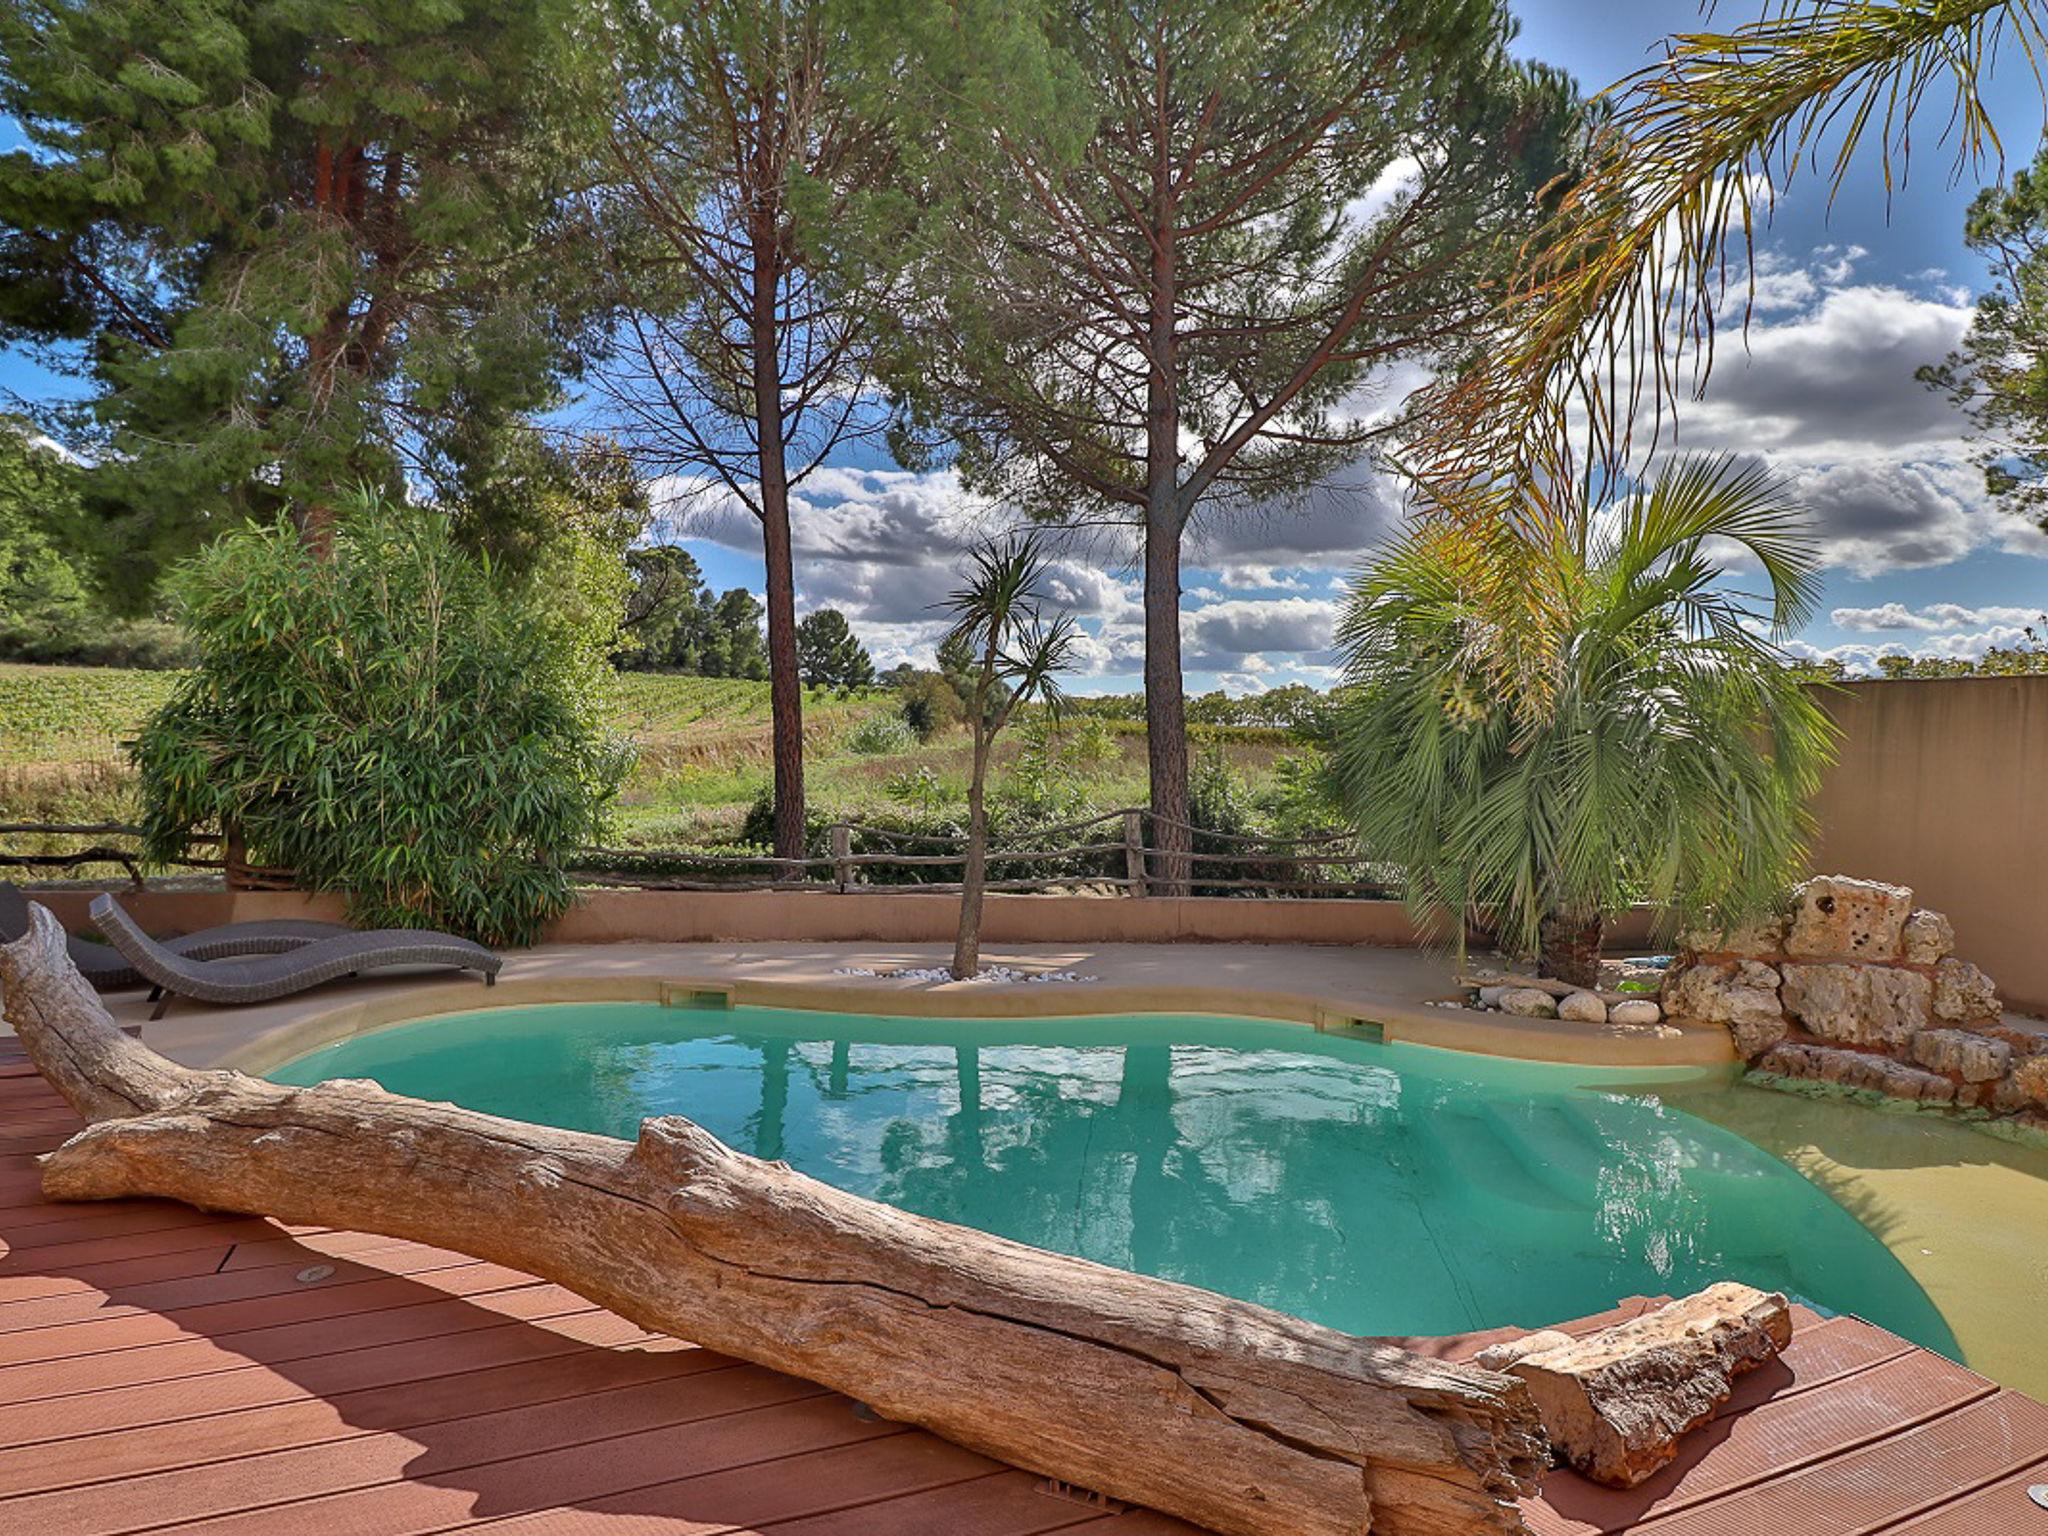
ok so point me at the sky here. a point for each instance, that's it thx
(1854, 293)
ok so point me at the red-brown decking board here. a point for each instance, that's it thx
(165, 1370)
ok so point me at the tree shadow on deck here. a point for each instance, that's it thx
(158, 1365)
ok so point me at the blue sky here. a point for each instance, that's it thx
(1854, 296)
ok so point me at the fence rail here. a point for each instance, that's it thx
(858, 858)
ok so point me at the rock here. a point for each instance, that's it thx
(1498, 1357)
(1528, 1003)
(1582, 1008)
(1639, 971)
(1759, 936)
(1857, 1069)
(1961, 991)
(2027, 1037)
(1489, 997)
(1635, 1013)
(1836, 917)
(1858, 1004)
(2030, 1080)
(1614, 1404)
(1743, 994)
(1927, 938)
(1959, 1053)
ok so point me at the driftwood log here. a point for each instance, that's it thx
(1244, 1420)
(1616, 1403)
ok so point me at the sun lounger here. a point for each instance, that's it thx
(109, 972)
(262, 978)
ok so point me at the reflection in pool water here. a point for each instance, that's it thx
(1375, 1188)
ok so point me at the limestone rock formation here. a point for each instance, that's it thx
(1857, 1069)
(1928, 938)
(1835, 917)
(1743, 994)
(1959, 1053)
(1858, 1004)
(1963, 992)
(1761, 936)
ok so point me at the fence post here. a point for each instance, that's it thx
(842, 853)
(1134, 851)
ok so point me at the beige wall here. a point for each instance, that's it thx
(1943, 785)
(893, 917)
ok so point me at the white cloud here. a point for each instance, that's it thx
(1260, 578)
(1862, 660)
(1219, 636)
(1820, 387)
(1935, 618)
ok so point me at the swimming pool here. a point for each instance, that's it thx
(1381, 1189)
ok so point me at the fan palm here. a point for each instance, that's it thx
(1678, 751)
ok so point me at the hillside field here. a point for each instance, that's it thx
(702, 752)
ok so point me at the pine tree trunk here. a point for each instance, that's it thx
(1570, 947)
(1166, 737)
(974, 877)
(785, 685)
(1166, 733)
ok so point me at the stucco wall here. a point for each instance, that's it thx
(895, 917)
(1943, 785)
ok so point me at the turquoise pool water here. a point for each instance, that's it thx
(1375, 1188)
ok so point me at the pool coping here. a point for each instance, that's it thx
(1551, 1041)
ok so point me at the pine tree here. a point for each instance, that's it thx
(732, 156)
(1170, 244)
(298, 246)
(830, 655)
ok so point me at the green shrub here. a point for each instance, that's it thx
(393, 722)
(880, 736)
(928, 704)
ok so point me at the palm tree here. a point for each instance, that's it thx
(1614, 307)
(1013, 655)
(1678, 749)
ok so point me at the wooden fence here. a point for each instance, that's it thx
(1115, 850)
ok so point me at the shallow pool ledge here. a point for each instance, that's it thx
(279, 1032)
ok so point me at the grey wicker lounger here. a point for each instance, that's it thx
(109, 972)
(260, 979)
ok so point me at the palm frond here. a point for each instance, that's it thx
(1616, 310)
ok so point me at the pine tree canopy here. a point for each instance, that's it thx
(297, 246)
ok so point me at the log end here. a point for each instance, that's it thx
(1615, 1403)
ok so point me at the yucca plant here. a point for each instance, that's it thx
(1678, 751)
(1011, 655)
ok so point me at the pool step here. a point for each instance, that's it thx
(1481, 1153)
(1557, 1149)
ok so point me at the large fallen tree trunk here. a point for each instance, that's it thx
(1241, 1419)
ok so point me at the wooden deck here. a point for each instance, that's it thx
(166, 1370)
